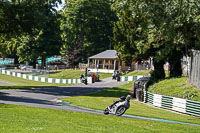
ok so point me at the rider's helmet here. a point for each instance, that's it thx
(123, 98)
(128, 97)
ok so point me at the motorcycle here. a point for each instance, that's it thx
(118, 108)
(83, 79)
(113, 76)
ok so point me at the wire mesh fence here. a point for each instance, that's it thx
(194, 75)
(35, 72)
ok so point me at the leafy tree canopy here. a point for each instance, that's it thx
(87, 26)
(164, 30)
(29, 28)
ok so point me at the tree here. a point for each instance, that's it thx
(35, 28)
(87, 25)
(157, 29)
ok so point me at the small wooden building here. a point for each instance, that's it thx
(107, 61)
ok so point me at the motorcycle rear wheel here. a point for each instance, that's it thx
(106, 111)
(120, 110)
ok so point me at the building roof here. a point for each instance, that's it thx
(108, 54)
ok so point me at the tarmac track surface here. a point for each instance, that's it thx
(48, 98)
(5, 83)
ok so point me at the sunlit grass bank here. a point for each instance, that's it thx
(21, 83)
(176, 87)
(139, 72)
(73, 74)
(22, 119)
(100, 100)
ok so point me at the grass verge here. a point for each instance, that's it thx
(140, 72)
(21, 119)
(24, 83)
(176, 87)
(100, 100)
(73, 74)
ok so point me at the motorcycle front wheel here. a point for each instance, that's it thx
(120, 110)
(106, 111)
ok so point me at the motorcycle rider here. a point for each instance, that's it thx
(128, 97)
(121, 99)
(114, 75)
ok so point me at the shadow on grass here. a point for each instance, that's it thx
(113, 92)
(70, 91)
(28, 94)
(54, 72)
(7, 98)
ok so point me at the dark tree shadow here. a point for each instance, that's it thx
(115, 92)
(14, 87)
(6, 97)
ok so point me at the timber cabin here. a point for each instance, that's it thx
(107, 61)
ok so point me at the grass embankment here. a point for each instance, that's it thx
(176, 87)
(140, 72)
(21, 119)
(102, 99)
(74, 74)
(23, 83)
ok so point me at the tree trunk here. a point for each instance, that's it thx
(175, 64)
(159, 72)
(43, 62)
(33, 63)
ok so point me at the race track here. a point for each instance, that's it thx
(48, 98)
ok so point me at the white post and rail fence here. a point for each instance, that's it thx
(167, 102)
(172, 103)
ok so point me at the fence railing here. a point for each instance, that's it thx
(173, 103)
(130, 78)
(166, 102)
(41, 79)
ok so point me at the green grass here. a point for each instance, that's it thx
(105, 75)
(140, 72)
(21, 119)
(73, 74)
(102, 99)
(143, 72)
(24, 83)
(176, 87)
(66, 74)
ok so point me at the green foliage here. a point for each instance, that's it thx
(157, 29)
(87, 26)
(29, 28)
(194, 94)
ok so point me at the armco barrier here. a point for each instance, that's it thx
(41, 79)
(173, 103)
(130, 78)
